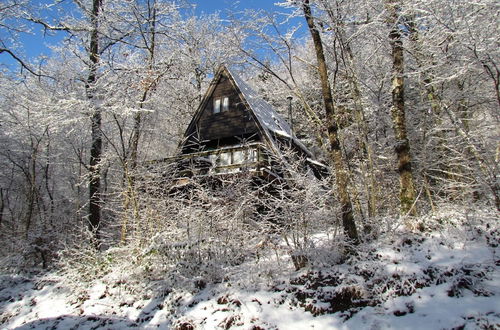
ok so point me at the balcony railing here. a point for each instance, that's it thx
(251, 157)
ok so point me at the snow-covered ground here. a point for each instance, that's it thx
(446, 277)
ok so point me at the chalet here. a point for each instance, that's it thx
(234, 130)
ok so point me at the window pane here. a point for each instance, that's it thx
(213, 158)
(216, 105)
(238, 157)
(252, 157)
(225, 159)
(225, 104)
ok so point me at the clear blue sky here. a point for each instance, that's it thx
(209, 6)
(36, 44)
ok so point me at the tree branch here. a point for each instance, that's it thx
(21, 62)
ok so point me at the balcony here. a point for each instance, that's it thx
(247, 158)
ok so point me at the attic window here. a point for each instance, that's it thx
(225, 104)
(221, 103)
(216, 105)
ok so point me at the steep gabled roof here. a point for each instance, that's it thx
(267, 117)
(264, 112)
(269, 122)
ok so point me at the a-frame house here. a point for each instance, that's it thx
(234, 130)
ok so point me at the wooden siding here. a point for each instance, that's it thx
(236, 122)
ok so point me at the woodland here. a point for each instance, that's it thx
(401, 99)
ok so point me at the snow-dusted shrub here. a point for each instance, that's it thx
(82, 263)
(191, 231)
(298, 209)
(37, 252)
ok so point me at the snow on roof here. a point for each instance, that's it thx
(265, 113)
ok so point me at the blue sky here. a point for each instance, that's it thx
(35, 44)
(209, 6)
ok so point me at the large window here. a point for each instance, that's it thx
(233, 157)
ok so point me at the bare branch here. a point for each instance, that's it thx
(21, 62)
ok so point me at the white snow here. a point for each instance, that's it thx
(442, 279)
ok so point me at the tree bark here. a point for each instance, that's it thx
(332, 128)
(402, 148)
(2, 207)
(96, 119)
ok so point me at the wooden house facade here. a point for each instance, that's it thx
(234, 130)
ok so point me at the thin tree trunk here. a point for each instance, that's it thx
(332, 128)
(31, 179)
(150, 84)
(2, 207)
(371, 186)
(402, 148)
(47, 177)
(96, 134)
(460, 123)
(32, 193)
(131, 164)
(489, 174)
(359, 111)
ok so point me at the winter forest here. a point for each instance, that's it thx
(399, 99)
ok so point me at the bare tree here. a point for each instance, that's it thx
(454, 61)
(338, 161)
(339, 20)
(407, 187)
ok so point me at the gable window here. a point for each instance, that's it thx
(221, 104)
(225, 104)
(216, 105)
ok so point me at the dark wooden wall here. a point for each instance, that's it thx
(235, 122)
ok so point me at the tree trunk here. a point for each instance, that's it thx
(332, 128)
(150, 83)
(347, 56)
(402, 148)
(96, 134)
(2, 207)
(130, 164)
(460, 124)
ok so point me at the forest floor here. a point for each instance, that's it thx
(444, 277)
